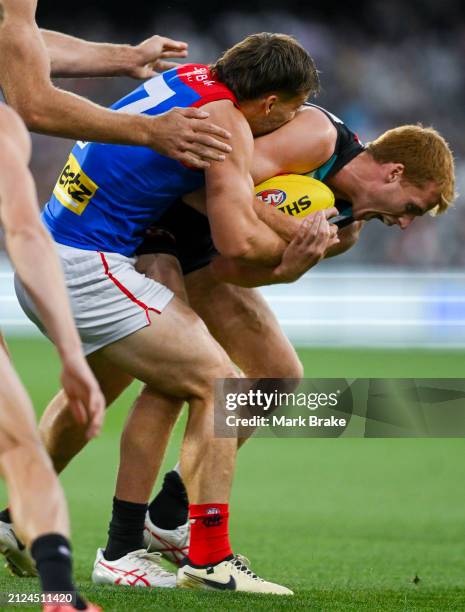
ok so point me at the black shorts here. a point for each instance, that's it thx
(184, 233)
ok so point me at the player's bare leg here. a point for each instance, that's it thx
(149, 424)
(177, 357)
(63, 437)
(149, 430)
(166, 269)
(243, 323)
(36, 498)
(153, 415)
(37, 502)
(245, 326)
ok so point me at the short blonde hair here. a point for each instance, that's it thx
(426, 157)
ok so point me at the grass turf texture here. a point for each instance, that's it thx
(345, 523)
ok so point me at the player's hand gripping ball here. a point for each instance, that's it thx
(295, 194)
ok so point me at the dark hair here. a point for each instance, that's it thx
(265, 63)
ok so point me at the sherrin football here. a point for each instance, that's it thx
(295, 194)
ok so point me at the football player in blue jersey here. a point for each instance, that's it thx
(103, 202)
(36, 499)
(28, 56)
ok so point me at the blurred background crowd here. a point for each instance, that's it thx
(382, 64)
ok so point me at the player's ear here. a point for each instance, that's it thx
(394, 172)
(270, 101)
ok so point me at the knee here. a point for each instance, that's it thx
(292, 367)
(22, 438)
(214, 365)
(282, 364)
(23, 452)
(217, 370)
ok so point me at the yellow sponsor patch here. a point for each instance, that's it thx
(74, 189)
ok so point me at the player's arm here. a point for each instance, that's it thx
(236, 229)
(33, 255)
(285, 228)
(303, 253)
(25, 79)
(298, 147)
(74, 57)
(310, 244)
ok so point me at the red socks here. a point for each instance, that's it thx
(209, 541)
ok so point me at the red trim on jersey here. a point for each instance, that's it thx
(125, 290)
(198, 78)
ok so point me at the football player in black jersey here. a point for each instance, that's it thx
(403, 174)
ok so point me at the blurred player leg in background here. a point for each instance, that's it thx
(37, 503)
(36, 498)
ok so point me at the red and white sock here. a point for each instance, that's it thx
(209, 539)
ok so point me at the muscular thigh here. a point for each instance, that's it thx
(242, 322)
(175, 355)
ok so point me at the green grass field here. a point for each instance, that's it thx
(346, 523)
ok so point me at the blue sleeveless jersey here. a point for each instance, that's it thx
(108, 195)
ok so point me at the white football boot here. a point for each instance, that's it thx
(231, 575)
(137, 569)
(18, 558)
(173, 544)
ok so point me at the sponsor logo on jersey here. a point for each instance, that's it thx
(74, 189)
(273, 197)
(200, 74)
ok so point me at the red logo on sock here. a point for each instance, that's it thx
(214, 518)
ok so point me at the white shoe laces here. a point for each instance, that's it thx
(149, 561)
(241, 564)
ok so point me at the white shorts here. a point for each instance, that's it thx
(109, 298)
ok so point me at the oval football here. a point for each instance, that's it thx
(295, 194)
